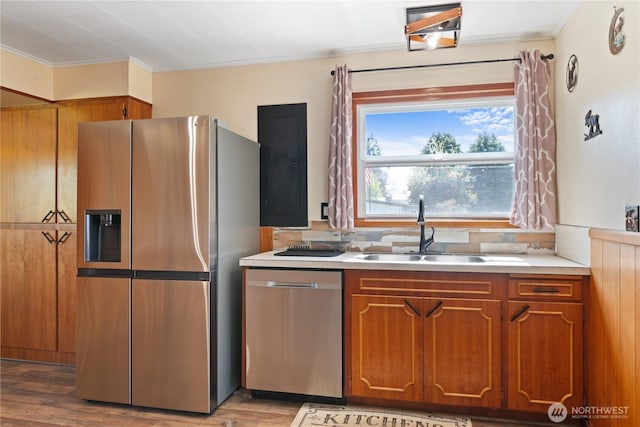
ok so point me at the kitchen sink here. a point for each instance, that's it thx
(453, 258)
(436, 258)
(392, 257)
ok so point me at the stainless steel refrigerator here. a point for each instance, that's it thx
(166, 207)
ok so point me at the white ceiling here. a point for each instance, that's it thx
(180, 35)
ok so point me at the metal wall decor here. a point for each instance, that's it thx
(592, 121)
(572, 73)
(631, 218)
(616, 31)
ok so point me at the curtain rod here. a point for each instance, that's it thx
(486, 61)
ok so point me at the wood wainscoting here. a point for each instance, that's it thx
(612, 330)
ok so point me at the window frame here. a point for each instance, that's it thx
(430, 94)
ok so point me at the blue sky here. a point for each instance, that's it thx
(405, 133)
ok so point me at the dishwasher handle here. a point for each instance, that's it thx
(274, 284)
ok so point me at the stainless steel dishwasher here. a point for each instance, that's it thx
(294, 331)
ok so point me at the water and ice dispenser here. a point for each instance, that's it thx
(102, 235)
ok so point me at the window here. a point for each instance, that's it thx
(455, 147)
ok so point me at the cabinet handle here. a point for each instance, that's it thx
(272, 284)
(522, 311)
(64, 237)
(546, 290)
(64, 216)
(48, 216)
(433, 310)
(415, 310)
(48, 236)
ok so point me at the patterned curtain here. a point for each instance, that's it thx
(340, 176)
(534, 206)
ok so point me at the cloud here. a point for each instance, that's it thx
(494, 120)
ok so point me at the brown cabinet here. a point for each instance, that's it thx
(38, 157)
(28, 164)
(387, 347)
(462, 359)
(29, 289)
(70, 113)
(66, 292)
(412, 347)
(545, 342)
(442, 339)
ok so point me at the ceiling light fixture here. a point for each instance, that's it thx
(433, 27)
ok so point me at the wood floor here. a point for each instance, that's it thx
(37, 395)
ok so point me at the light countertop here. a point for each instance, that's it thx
(494, 263)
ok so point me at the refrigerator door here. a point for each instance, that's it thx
(104, 184)
(103, 350)
(171, 345)
(170, 227)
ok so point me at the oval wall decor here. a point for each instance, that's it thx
(572, 73)
(616, 31)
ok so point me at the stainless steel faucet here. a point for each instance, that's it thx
(424, 242)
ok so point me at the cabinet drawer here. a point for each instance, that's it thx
(436, 284)
(560, 288)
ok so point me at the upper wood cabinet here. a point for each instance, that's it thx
(39, 155)
(28, 164)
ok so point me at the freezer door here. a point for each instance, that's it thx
(170, 345)
(104, 183)
(102, 349)
(171, 194)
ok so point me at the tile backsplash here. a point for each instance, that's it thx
(400, 239)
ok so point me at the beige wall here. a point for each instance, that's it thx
(597, 178)
(75, 82)
(91, 81)
(233, 94)
(140, 81)
(25, 75)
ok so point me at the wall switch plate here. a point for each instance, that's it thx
(324, 210)
(631, 222)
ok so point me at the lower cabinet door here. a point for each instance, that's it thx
(545, 355)
(462, 352)
(387, 346)
(28, 305)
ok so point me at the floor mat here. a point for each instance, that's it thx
(314, 414)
